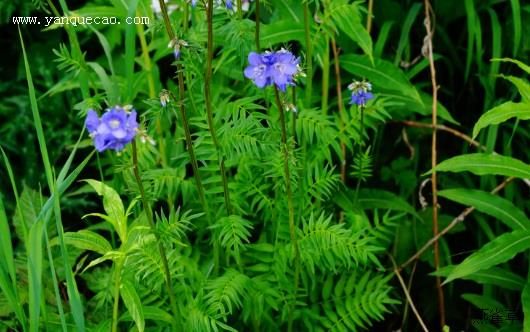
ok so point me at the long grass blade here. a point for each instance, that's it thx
(73, 293)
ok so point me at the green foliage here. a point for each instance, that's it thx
(224, 211)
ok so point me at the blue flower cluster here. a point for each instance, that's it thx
(113, 130)
(278, 67)
(360, 93)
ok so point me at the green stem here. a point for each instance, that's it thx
(257, 36)
(189, 141)
(240, 9)
(149, 216)
(152, 94)
(186, 17)
(117, 280)
(309, 54)
(208, 100)
(292, 226)
(360, 155)
(325, 77)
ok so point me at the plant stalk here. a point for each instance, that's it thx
(360, 154)
(325, 78)
(117, 280)
(257, 32)
(341, 108)
(309, 53)
(292, 226)
(434, 178)
(152, 94)
(208, 100)
(187, 133)
(149, 216)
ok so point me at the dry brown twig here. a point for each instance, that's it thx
(407, 295)
(428, 52)
(460, 218)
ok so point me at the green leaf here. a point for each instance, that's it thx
(281, 32)
(502, 113)
(520, 64)
(110, 87)
(111, 255)
(491, 204)
(373, 199)
(113, 206)
(133, 304)
(493, 276)
(152, 313)
(86, 240)
(500, 250)
(382, 74)
(485, 164)
(522, 86)
(6, 248)
(348, 20)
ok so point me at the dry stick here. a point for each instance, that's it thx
(434, 179)
(292, 226)
(407, 295)
(409, 286)
(460, 218)
(446, 129)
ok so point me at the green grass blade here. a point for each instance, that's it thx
(106, 48)
(7, 265)
(405, 31)
(34, 249)
(130, 44)
(73, 293)
(516, 16)
(471, 22)
(382, 39)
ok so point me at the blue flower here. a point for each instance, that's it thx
(361, 97)
(284, 68)
(360, 92)
(259, 68)
(229, 4)
(278, 67)
(113, 130)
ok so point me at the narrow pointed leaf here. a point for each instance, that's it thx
(501, 114)
(493, 205)
(86, 240)
(500, 250)
(485, 164)
(133, 304)
(493, 276)
(112, 205)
